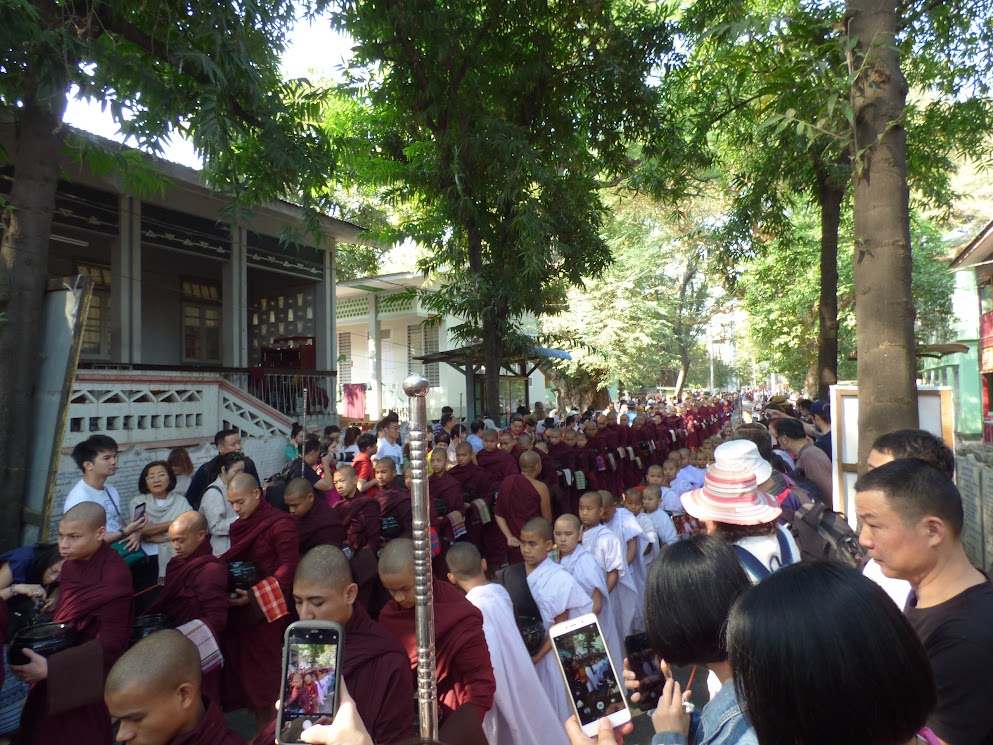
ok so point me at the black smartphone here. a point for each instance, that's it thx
(312, 655)
(644, 663)
(139, 512)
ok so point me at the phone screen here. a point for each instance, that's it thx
(139, 512)
(591, 681)
(643, 662)
(309, 681)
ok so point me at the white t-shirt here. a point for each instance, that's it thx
(897, 589)
(765, 548)
(108, 498)
(385, 449)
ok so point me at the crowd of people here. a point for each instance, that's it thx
(670, 520)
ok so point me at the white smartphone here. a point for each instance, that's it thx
(593, 683)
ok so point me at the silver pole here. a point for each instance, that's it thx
(416, 387)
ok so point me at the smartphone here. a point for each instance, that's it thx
(593, 683)
(644, 663)
(139, 512)
(312, 655)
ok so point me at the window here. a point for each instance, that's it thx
(986, 297)
(96, 327)
(423, 339)
(344, 357)
(201, 321)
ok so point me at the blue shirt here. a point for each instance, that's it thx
(476, 441)
(722, 722)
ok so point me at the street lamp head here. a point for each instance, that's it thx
(416, 385)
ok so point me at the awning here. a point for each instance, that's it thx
(935, 351)
(474, 354)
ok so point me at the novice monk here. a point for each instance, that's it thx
(396, 519)
(358, 511)
(521, 497)
(253, 642)
(375, 667)
(497, 465)
(154, 694)
(317, 523)
(633, 503)
(65, 704)
(521, 713)
(584, 568)
(482, 530)
(464, 671)
(665, 529)
(626, 528)
(196, 587)
(559, 598)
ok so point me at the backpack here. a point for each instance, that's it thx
(822, 533)
(756, 567)
(528, 617)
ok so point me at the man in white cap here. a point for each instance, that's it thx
(731, 506)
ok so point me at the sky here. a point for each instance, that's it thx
(315, 50)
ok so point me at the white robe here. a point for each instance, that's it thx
(590, 576)
(664, 527)
(611, 554)
(648, 528)
(556, 592)
(625, 526)
(521, 712)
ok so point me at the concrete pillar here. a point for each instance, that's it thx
(325, 328)
(234, 299)
(375, 401)
(125, 285)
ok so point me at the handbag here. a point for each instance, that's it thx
(131, 558)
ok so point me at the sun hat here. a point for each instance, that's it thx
(743, 455)
(730, 491)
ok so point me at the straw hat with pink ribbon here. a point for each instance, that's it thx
(730, 492)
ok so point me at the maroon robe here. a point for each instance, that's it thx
(445, 497)
(321, 526)
(395, 502)
(360, 518)
(97, 600)
(464, 672)
(497, 465)
(517, 503)
(197, 588)
(253, 647)
(212, 730)
(563, 459)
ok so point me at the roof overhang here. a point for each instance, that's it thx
(473, 354)
(977, 251)
(386, 283)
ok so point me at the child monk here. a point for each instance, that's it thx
(521, 713)
(633, 503)
(394, 503)
(656, 476)
(317, 523)
(624, 525)
(610, 554)
(559, 598)
(65, 702)
(359, 512)
(448, 510)
(476, 492)
(154, 693)
(464, 671)
(662, 524)
(521, 497)
(590, 575)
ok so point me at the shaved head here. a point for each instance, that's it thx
(530, 460)
(187, 532)
(161, 661)
(606, 498)
(538, 526)
(346, 471)
(386, 464)
(298, 487)
(525, 440)
(463, 447)
(571, 520)
(464, 561)
(243, 482)
(324, 566)
(90, 514)
(490, 434)
(653, 490)
(592, 497)
(190, 520)
(397, 557)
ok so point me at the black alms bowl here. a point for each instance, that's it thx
(45, 639)
(145, 625)
(242, 575)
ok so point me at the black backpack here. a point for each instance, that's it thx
(822, 533)
(529, 622)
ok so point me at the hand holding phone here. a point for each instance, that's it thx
(593, 684)
(644, 665)
(312, 655)
(139, 512)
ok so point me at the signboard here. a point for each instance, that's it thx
(973, 480)
(936, 414)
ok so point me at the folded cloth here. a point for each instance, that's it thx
(483, 510)
(458, 523)
(200, 634)
(637, 461)
(630, 452)
(435, 543)
(613, 461)
(270, 599)
(580, 480)
(567, 475)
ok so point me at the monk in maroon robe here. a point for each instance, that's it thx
(317, 523)
(375, 666)
(253, 643)
(563, 460)
(65, 703)
(155, 695)
(475, 484)
(464, 672)
(521, 498)
(360, 516)
(395, 514)
(445, 503)
(497, 465)
(196, 587)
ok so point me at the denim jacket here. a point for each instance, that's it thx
(722, 722)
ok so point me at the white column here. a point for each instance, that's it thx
(324, 321)
(234, 299)
(374, 405)
(125, 286)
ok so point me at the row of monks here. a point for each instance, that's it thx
(507, 504)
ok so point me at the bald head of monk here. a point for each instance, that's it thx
(154, 689)
(463, 454)
(187, 532)
(568, 533)
(530, 464)
(396, 571)
(525, 442)
(386, 472)
(244, 495)
(82, 530)
(299, 498)
(465, 564)
(346, 481)
(506, 442)
(323, 589)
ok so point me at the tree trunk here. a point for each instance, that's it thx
(681, 328)
(27, 225)
(883, 303)
(684, 369)
(491, 330)
(829, 195)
